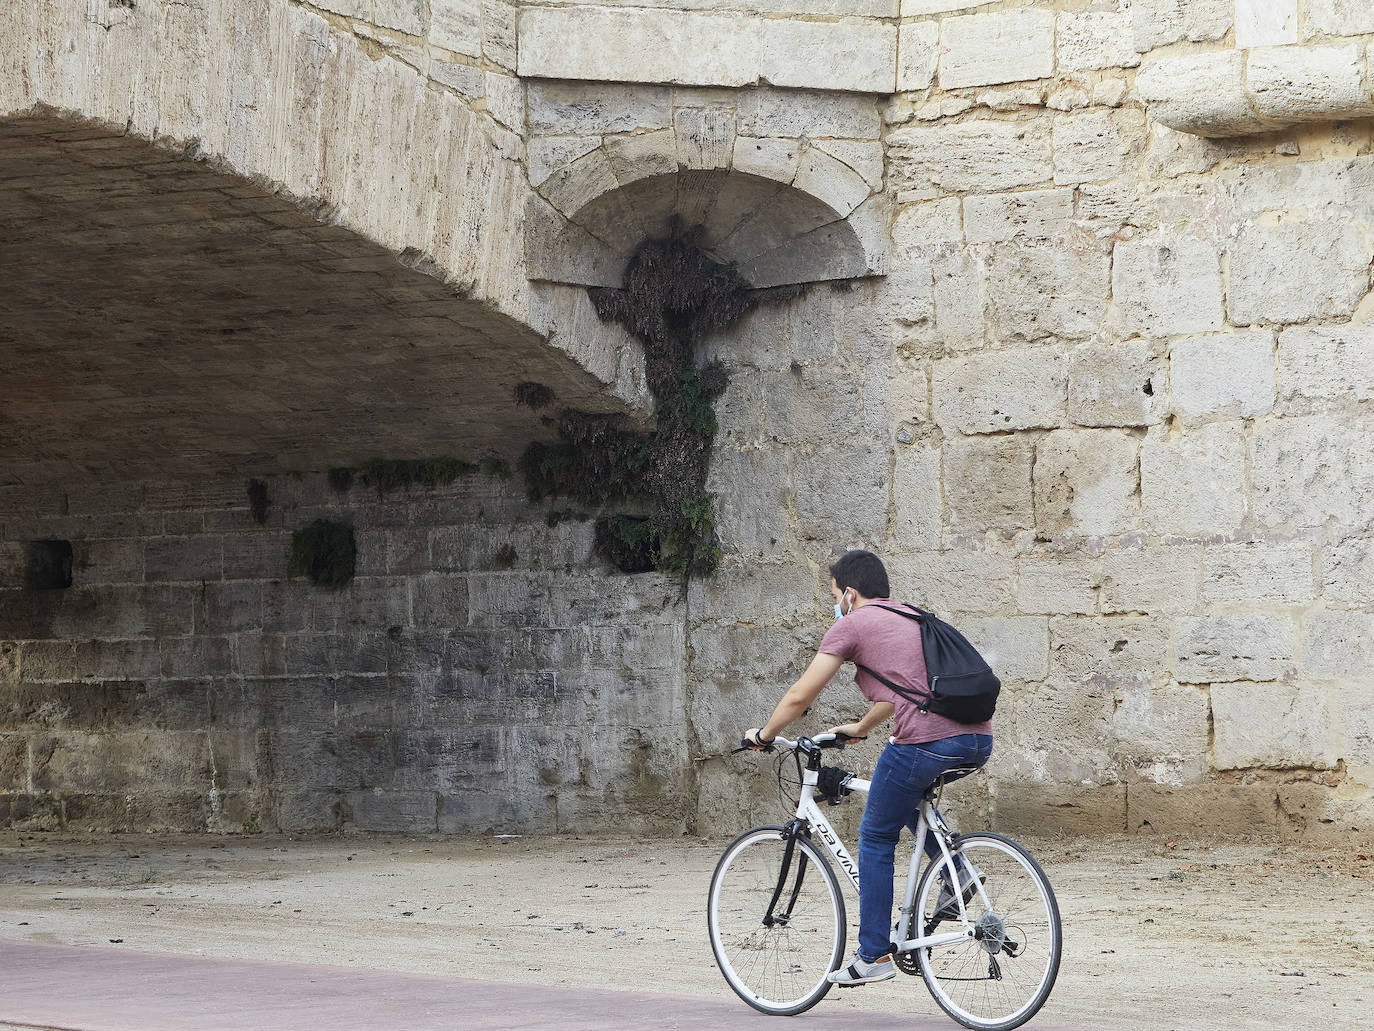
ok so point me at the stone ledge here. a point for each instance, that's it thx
(706, 49)
(1244, 92)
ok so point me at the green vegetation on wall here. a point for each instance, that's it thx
(326, 552)
(674, 295)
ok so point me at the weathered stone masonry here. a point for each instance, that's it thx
(1085, 352)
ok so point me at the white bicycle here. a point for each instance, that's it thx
(776, 915)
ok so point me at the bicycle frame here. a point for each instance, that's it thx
(809, 815)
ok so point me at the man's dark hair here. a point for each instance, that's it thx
(863, 571)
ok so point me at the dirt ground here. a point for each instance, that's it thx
(1159, 933)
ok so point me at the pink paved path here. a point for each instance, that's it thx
(105, 989)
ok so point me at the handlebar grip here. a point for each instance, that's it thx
(745, 745)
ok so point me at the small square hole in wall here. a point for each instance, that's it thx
(48, 565)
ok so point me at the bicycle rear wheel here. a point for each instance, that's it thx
(779, 969)
(999, 979)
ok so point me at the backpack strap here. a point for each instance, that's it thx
(920, 698)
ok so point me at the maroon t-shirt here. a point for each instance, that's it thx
(891, 645)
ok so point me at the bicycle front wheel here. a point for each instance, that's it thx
(776, 964)
(1000, 978)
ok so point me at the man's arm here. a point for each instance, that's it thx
(880, 713)
(799, 696)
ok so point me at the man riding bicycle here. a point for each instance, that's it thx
(922, 747)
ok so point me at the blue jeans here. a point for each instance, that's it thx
(902, 775)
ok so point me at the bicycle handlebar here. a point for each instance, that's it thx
(826, 740)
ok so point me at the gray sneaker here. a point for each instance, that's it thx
(860, 971)
(945, 906)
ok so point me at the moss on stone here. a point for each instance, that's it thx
(326, 552)
(389, 475)
(259, 501)
(674, 295)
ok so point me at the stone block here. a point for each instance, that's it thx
(988, 483)
(916, 498)
(499, 37)
(865, 158)
(1092, 40)
(1339, 17)
(918, 52)
(1165, 285)
(545, 154)
(1089, 146)
(1056, 289)
(392, 811)
(916, 8)
(172, 559)
(504, 96)
(750, 521)
(1258, 573)
(1200, 93)
(1214, 649)
(116, 560)
(1163, 722)
(976, 156)
(1028, 214)
(1057, 584)
(1194, 483)
(1104, 653)
(584, 109)
(1156, 23)
(826, 482)
(466, 79)
(575, 185)
(959, 296)
(853, 54)
(1301, 84)
(1337, 645)
(992, 393)
(1266, 23)
(456, 25)
(953, 581)
(1309, 471)
(1228, 374)
(1117, 384)
(705, 137)
(789, 113)
(1288, 269)
(1270, 725)
(650, 45)
(1027, 808)
(1326, 363)
(831, 181)
(1087, 482)
(1224, 809)
(1016, 647)
(1347, 571)
(768, 157)
(406, 16)
(1007, 46)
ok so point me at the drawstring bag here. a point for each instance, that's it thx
(962, 686)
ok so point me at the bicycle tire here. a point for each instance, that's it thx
(1020, 922)
(779, 970)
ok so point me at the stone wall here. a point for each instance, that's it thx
(1106, 413)
(480, 672)
(1107, 409)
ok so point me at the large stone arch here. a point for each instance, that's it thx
(426, 183)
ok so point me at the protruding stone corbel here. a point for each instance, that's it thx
(1243, 92)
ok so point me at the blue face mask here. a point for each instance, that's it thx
(839, 612)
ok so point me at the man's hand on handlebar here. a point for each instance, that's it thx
(755, 741)
(849, 733)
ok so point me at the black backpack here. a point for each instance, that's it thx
(963, 687)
